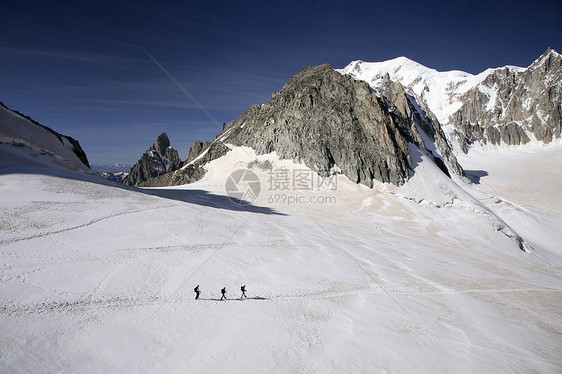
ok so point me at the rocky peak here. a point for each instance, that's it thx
(159, 159)
(325, 119)
(550, 59)
(161, 144)
(192, 170)
(512, 105)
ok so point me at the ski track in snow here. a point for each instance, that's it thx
(120, 303)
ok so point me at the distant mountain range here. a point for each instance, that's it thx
(111, 168)
(112, 172)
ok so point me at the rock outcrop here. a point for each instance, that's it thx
(193, 170)
(418, 116)
(510, 104)
(328, 120)
(198, 148)
(159, 159)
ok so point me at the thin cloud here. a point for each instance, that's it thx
(68, 55)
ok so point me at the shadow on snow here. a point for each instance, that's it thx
(206, 198)
(475, 175)
(16, 163)
(235, 299)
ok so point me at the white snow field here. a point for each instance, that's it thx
(426, 278)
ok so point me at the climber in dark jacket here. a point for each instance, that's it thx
(197, 292)
(223, 292)
(243, 289)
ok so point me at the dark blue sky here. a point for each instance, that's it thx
(83, 68)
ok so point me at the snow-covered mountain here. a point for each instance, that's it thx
(508, 105)
(19, 130)
(438, 90)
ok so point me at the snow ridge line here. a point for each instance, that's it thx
(92, 222)
(500, 225)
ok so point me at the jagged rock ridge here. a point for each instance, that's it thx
(193, 170)
(159, 159)
(198, 148)
(511, 104)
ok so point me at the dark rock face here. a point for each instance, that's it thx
(526, 102)
(191, 172)
(513, 134)
(161, 158)
(196, 150)
(77, 149)
(214, 150)
(325, 120)
(420, 117)
(186, 175)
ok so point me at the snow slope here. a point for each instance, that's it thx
(533, 205)
(17, 130)
(96, 277)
